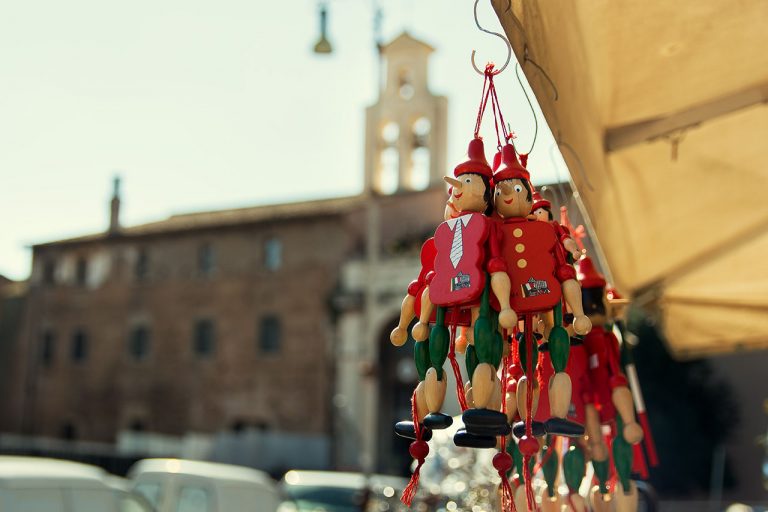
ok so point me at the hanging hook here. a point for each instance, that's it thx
(506, 42)
(533, 112)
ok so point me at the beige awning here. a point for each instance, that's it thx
(663, 104)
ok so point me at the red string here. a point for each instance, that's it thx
(497, 106)
(487, 84)
(529, 408)
(410, 491)
(507, 498)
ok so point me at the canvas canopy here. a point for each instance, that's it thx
(661, 117)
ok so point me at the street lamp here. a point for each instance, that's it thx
(323, 45)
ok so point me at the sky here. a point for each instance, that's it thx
(211, 105)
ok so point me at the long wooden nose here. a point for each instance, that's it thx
(453, 182)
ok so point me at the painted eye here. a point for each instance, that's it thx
(518, 188)
(498, 193)
(468, 180)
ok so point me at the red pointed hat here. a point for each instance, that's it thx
(510, 167)
(540, 202)
(588, 275)
(476, 164)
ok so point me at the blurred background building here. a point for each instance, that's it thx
(260, 335)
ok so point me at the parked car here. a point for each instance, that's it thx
(335, 491)
(176, 485)
(51, 485)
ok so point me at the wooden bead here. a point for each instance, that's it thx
(483, 382)
(522, 392)
(559, 394)
(434, 390)
(625, 502)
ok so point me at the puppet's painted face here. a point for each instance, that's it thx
(541, 214)
(468, 193)
(512, 199)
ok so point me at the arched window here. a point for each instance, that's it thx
(206, 259)
(141, 270)
(273, 254)
(204, 339)
(270, 334)
(138, 342)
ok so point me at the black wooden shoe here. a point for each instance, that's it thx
(467, 440)
(563, 427)
(538, 428)
(438, 421)
(405, 429)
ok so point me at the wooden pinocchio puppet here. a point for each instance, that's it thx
(542, 210)
(540, 278)
(410, 308)
(466, 251)
(611, 394)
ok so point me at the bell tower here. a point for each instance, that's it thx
(405, 141)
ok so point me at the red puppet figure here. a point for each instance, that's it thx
(465, 251)
(542, 210)
(610, 392)
(540, 278)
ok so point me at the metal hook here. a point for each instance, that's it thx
(506, 42)
(533, 112)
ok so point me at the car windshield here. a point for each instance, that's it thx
(331, 499)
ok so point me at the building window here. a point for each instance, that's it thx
(79, 346)
(141, 271)
(273, 254)
(49, 272)
(206, 259)
(270, 334)
(47, 341)
(138, 342)
(204, 338)
(81, 271)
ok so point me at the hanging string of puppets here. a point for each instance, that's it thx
(512, 289)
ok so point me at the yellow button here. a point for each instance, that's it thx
(519, 247)
(518, 232)
(522, 263)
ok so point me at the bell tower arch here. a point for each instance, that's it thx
(405, 142)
